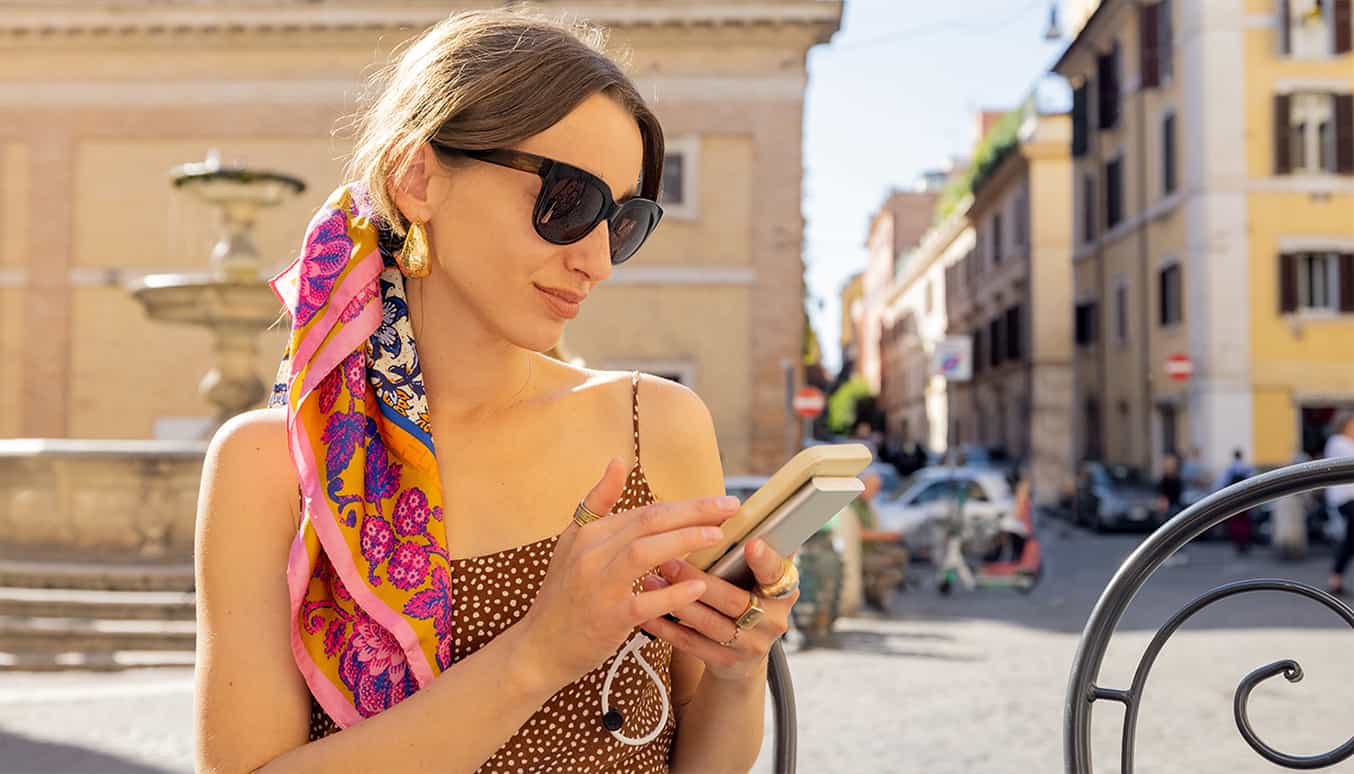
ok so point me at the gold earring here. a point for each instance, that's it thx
(413, 255)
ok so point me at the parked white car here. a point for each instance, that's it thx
(921, 511)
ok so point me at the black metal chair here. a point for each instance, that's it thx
(1082, 690)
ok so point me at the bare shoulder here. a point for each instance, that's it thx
(250, 449)
(250, 704)
(680, 450)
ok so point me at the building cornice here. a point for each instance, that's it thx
(146, 17)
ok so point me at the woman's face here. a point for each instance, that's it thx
(481, 234)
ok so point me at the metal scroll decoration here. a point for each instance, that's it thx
(1082, 691)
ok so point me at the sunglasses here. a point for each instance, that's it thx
(573, 201)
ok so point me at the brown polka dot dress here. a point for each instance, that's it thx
(493, 592)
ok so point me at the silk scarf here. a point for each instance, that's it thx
(368, 572)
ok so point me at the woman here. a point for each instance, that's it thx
(453, 606)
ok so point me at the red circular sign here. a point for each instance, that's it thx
(809, 402)
(1179, 367)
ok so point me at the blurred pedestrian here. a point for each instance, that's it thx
(884, 554)
(1192, 471)
(1341, 498)
(1170, 488)
(1238, 526)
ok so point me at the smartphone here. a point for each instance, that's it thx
(794, 503)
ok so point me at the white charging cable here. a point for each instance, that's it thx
(612, 719)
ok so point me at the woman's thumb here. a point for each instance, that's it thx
(608, 490)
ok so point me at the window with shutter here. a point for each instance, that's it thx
(995, 343)
(1085, 324)
(1169, 297)
(1342, 16)
(1344, 133)
(1283, 110)
(1121, 314)
(1114, 193)
(1080, 121)
(1107, 87)
(1015, 334)
(1285, 27)
(996, 238)
(1165, 41)
(1308, 28)
(1149, 44)
(1288, 283)
(1346, 282)
(1307, 126)
(1168, 154)
(1088, 209)
(1318, 281)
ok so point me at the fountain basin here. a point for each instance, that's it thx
(101, 501)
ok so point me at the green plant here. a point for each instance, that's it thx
(992, 149)
(841, 405)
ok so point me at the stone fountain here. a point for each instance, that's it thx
(96, 536)
(232, 301)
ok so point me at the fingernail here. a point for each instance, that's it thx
(712, 533)
(755, 549)
(652, 582)
(697, 588)
(727, 503)
(670, 568)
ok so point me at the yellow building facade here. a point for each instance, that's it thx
(1212, 223)
(99, 101)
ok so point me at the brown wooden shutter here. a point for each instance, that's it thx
(1283, 163)
(1080, 121)
(1344, 133)
(1148, 29)
(1285, 29)
(1288, 283)
(1343, 19)
(1347, 282)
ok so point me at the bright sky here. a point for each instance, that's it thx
(892, 95)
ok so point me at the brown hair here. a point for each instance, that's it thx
(479, 80)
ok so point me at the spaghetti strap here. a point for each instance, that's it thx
(634, 409)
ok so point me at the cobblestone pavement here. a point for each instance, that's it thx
(967, 683)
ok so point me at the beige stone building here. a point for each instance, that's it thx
(1011, 294)
(894, 231)
(853, 313)
(1213, 152)
(98, 101)
(915, 320)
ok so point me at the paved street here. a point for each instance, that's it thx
(969, 683)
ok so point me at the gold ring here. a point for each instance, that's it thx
(789, 581)
(729, 642)
(583, 516)
(751, 614)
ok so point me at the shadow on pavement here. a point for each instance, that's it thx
(1080, 564)
(887, 644)
(26, 755)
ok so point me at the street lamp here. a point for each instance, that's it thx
(1053, 32)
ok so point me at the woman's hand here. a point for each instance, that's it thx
(710, 621)
(587, 606)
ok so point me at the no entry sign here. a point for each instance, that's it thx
(1179, 367)
(809, 402)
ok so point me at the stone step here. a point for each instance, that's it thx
(96, 576)
(57, 635)
(97, 604)
(93, 661)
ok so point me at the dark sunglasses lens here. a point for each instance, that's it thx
(569, 208)
(630, 227)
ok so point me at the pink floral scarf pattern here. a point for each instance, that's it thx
(368, 572)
